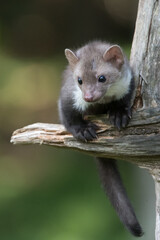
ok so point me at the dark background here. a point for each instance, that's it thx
(48, 193)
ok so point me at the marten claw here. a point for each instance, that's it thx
(86, 132)
(120, 118)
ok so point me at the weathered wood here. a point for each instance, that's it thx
(145, 52)
(139, 142)
(156, 176)
(145, 61)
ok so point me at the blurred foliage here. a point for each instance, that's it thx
(44, 27)
(48, 193)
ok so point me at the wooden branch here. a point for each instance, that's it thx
(145, 54)
(139, 142)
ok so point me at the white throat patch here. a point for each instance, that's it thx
(117, 90)
(121, 87)
(79, 103)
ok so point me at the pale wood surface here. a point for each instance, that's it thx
(140, 141)
(145, 61)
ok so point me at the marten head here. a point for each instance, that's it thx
(96, 70)
(101, 74)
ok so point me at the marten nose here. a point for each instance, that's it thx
(88, 97)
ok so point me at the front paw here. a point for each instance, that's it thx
(85, 132)
(120, 117)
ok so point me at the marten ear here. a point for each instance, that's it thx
(71, 57)
(114, 55)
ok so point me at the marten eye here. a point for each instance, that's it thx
(102, 79)
(80, 81)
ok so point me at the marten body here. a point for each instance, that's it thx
(99, 80)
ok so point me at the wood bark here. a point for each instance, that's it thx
(145, 61)
(140, 141)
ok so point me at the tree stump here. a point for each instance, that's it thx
(145, 61)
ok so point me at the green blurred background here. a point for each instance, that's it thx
(48, 193)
